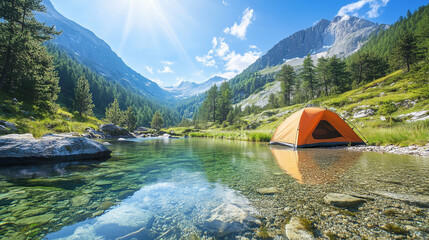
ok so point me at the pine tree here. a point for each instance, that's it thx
(286, 76)
(405, 51)
(224, 105)
(83, 97)
(114, 113)
(308, 76)
(130, 119)
(25, 66)
(322, 73)
(157, 121)
(337, 74)
(211, 101)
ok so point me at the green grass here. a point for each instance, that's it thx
(28, 120)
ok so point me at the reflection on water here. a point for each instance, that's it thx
(309, 166)
(185, 205)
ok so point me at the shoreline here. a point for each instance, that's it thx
(422, 151)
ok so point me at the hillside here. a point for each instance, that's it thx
(390, 110)
(340, 37)
(93, 52)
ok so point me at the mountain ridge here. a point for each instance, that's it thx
(84, 46)
(187, 89)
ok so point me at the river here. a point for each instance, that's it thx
(212, 188)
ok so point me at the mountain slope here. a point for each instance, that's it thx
(188, 89)
(87, 48)
(342, 37)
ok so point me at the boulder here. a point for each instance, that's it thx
(342, 200)
(296, 231)
(229, 218)
(6, 127)
(364, 113)
(113, 131)
(142, 129)
(24, 148)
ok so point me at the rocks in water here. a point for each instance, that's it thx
(342, 200)
(113, 131)
(40, 220)
(24, 148)
(107, 144)
(268, 191)
(295, 230)
(105, 205)
(412, 150)
(122, 139)
(228, 218)
(79, 201)
(419, 200)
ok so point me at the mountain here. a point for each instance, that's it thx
(188, 89)
(342, 36)
(84, 46)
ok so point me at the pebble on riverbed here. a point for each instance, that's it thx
(342, 200)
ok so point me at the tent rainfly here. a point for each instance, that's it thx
(314, 127)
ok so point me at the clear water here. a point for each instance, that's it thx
(197, 189)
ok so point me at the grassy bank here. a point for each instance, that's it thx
(387, 98)
(28, 120)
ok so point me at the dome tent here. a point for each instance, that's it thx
(314, 127)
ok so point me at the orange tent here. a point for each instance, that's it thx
(313, 127)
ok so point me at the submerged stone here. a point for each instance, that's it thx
(419, 200)
(342, 200)
(79, 201)
(105, 205)
(296, 231)
(267, 191)
(40, 220)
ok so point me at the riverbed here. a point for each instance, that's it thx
(213, 188)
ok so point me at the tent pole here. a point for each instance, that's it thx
(354, 127)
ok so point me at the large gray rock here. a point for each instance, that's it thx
(296, 231)
(364, 113)
(7, 127)
(24, 148)
(342, 200)
(113, 131)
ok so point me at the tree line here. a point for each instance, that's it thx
(37, 72)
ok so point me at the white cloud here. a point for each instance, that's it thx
(239, 30)
(253, 47)
(166, 69)
(214, 42)
(223, 48)
(237, 62)
(149, 69)
(167, 63)
(353, 8)
(207, 59)
(224, 2)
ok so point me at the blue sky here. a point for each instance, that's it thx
(169, 41)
